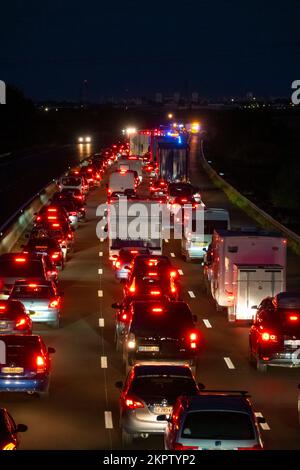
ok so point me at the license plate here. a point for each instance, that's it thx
(293, 343)
(163, 410)
(202, 244)
(149, 348)
(12, 370)
(3, 325)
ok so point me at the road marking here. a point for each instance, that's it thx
(104, 362)
(229, 363)
(166, 240)
(108, 420)
(264, 426)
(100, 253)
(101, 322)
(100, 271)
(100, 293)
(191, 294)
(180, 272)
(207, 323)
(172, 255)
(101, 240)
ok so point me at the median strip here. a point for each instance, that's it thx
(229, 363)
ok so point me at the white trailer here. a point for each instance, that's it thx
(251, 284)
(134, 223)
(139, 144)
(230, 249)
(120, 181)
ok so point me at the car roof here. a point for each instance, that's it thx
(142, 370)
(21, 339)
(218, 401)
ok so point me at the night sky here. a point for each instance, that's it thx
(128, 48)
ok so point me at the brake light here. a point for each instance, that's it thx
(157, 310)
(109, 191)
(38, 218)
(90, 170)
(32, 286)
(133, 252)
(52, 217)
(230, 297)
(54, 303)
(155, 292)
(40, 364)
(2, 308)
(268, 337)
(9, 446)
(55, 225)
(117, 264)
(152, 262)
(55, 255)
(132, 404)
(293, 318)
(124, 316)
(20, 323)
(173, 273)
(178, 446)
(52, 210)
(152, 274)
(70, 236)
(183, 200)
(20, 260)
(132, 287)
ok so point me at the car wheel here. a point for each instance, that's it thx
(127, 439)
(261, 366)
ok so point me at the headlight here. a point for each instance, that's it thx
(80, 139)
(88, 139)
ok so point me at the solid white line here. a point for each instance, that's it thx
(229, 363)
(180, 272)
(265, 426)
(101, 322)
(172, 255)
(104, 362)
(108, 420)
(191, 294)
(166, 240)
(100, 271)
(100, 293)
(100, 253)
(207, 323)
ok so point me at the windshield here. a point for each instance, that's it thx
(27, 292)
(71, 181)
(28, 269)
(162, 387)
(180, 190)
(223, 425)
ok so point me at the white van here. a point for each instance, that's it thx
(133, 163)
(71, 182)
(120, 182)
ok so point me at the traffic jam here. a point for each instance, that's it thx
(160, 331)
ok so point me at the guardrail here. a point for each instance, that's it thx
(260, 216)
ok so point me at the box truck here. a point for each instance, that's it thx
(121, 181)
(173, 159)
(245, 267)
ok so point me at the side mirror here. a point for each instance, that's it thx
(261, 420)
(119, 384)
(195, 318)
(161, 418)
(21, 428)
(201, 386)
(51, 350)
(116, 305)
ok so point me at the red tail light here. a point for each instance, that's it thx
(109, 191)
(173, 273)
(52, 210)
(117, 264)
(155, 292)
(38, 218)
(193, 338)
(230, 296)
(21, 323)
(133, 252)
(2, 308)
(73, 213)
(54, 303)
(268, 337)
(20, 260)
(178, 446)
(293, 318)
(157, 309)
(132, 287)
(32, 286)
(70, 236)
(132, 403)
(40, 364)
(183, 200)
(55, 255)
(55, 225)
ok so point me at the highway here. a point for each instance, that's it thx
(82, 410)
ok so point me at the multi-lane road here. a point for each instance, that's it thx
(82, 411)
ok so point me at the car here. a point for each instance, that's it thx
(14, 266)
(52, 213)
(84, 139)
(151, 390)
(27, 365)
(9, 431)
(48, 247)
(64, 238)
(71, 207)
(41, 300)
(155, 284)
(161, 332)
(123, 260)
(73, 193)
(13, 318)
(70, 181)
(142, 263)
(274, 337)
(158, 188)
(91, 173)
(180, 194)
(213, 420)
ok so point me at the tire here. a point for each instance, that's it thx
(127, 439)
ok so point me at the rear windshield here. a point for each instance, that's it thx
(71, 181)
(171, 323)
(117, 243)
(27, 292)
(27, 269)
(163, 387)
(42, 245)
(180, 190)
(21, 354)
(223, 425)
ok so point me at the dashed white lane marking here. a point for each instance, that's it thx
(191, 294)
(264, 426)
(166, 240)
(229, 363)
(207, 323)
(172, 255)
(101, 322)
(100, 293)
(108, 420)
(100, 253)
(104, 362)
(100, 271)
(180, 272)
(101, 240)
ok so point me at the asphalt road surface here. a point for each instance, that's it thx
(82, 411)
